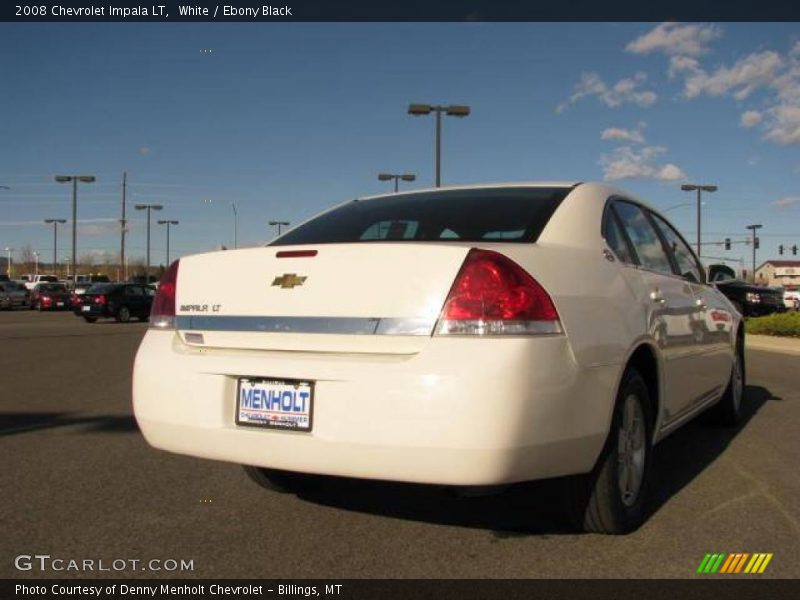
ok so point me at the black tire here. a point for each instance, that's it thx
(283, 482)
(90, 319)
(123, 314)
(728, 411)
(597, 501)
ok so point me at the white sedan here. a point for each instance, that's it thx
(466, 336)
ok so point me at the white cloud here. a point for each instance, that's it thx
(144, 150)
(675, 39)
(751, 118)
(787, 201)
(784, 125)
(625, 91)
(745, 76)
(627, 163)
(683, 64)
(624, 135)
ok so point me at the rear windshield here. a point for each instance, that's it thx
(52, 287)
(483, 215)
(102, 288)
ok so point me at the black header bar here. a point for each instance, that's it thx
(406, 10)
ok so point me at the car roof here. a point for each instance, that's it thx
(478, 186)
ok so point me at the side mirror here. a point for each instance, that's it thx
(720, 272)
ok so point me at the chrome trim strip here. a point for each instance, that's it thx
(329, 325)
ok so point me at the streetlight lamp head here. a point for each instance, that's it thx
(156, 206)
(419, 109)
(688, 187)
(86, 178)
(408, 177)
(458, 110)
(384, 176)
(162, 222)
(63, 178)
(140, 206)
(708, 188)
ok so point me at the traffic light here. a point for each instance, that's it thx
(727, 243)
(757, 243)
(780, 249)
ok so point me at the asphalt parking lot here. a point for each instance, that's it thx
(79, 482)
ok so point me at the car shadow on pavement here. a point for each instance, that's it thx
(686, 453)
(14, 423)
(534, 508)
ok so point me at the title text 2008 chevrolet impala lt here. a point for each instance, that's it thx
(466, 336)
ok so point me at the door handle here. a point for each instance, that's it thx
(700, 304)
(658, 297)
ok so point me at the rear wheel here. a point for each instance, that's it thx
(611, 498)
(90, 319)
(123, 314)
(728, 412)
(284, 482)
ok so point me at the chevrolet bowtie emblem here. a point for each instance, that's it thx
(289, 280)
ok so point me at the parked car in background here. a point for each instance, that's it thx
(76, 293)
(119, 301)
(33, 280)
(49, 296)
(13, 295)
(791, 299)
(463, 336)
(749, 299)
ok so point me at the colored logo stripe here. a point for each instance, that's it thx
(734, 563)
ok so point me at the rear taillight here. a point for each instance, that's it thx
(162, 313)
(493, 295)
(101, 299)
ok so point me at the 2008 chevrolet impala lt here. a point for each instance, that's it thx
(464, 336)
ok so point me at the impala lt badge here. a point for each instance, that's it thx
(289, 280)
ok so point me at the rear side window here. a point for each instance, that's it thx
(646, 242)
(615, 238)
(483, 215)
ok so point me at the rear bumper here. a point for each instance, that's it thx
(460, 412)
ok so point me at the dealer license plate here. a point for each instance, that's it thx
(86, 308)
(274, 403)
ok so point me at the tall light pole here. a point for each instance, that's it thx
(67, 261)
(691, 187)
(235, 226)
(279, 223)
(396, 177)
(452, 110)
(55, 223)
(8, 264)
(167, 223)
(148, 208)
(755, 245)
(75, 179)
(234, 208)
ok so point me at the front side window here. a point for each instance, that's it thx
(684, 257)
(646, 242)
(474, 215)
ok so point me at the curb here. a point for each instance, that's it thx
(769, 343)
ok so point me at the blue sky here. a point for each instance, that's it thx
(288, 119)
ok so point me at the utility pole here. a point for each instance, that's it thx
(755, 246)
(122, 228)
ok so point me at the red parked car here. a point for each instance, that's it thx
(49, 296)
